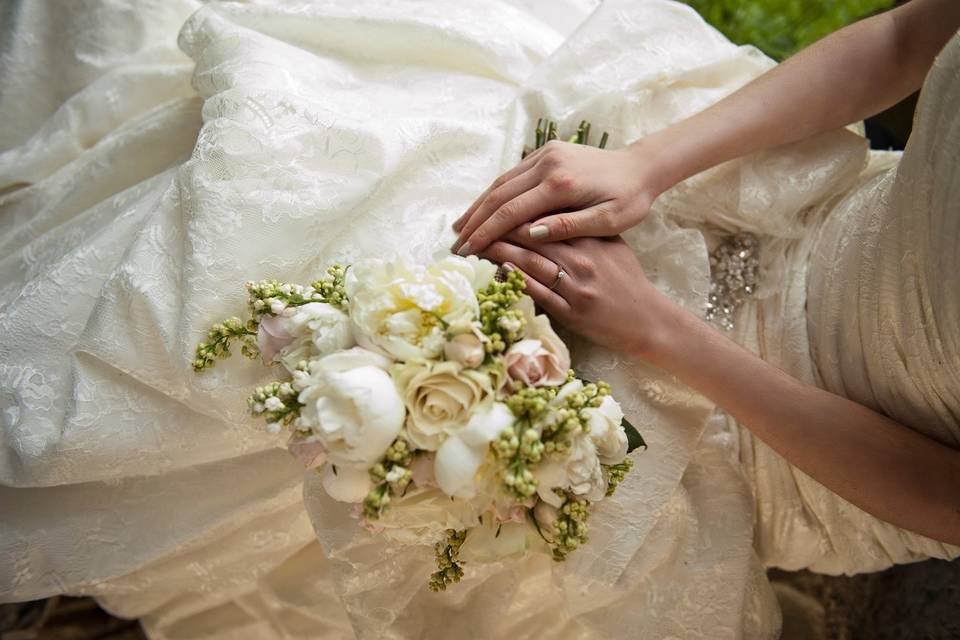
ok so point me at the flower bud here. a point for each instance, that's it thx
(465, 349)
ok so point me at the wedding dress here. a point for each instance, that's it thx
(139, 187)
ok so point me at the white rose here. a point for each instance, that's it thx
(606, 431)
(579, 473)
(462, 453)
(395, 306)
(352, 406)
(304, 332)
(440, 398)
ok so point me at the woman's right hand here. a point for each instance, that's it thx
(567, 191)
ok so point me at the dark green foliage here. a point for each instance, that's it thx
(780, 28)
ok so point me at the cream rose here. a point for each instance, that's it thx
(606, 431)
(440, 398)
(399, 308)
(352, 407)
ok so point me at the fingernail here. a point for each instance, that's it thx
(506, 266)
(501, 274)
(539, 232)
(464, 250)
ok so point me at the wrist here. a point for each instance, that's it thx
(668, 330)
(656, 163)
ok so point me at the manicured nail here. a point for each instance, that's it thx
(464, 250)
(501, 274)
(539, 232)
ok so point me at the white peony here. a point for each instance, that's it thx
(352, 407)
(304, 332)
(606, 431)
(399, 308)
(461, 454)
(441, 397)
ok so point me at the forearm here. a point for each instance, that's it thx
(846, 77)
(883, 467)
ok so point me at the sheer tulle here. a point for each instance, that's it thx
(332, 132)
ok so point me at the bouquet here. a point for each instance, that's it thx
(437, 401)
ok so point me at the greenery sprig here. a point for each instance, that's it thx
(570, 527)
(541, 429)
(616, 473)
(499, 321)
(267, 297)
(277, 403)
(219, 338)
(449, 569)
(391, 477)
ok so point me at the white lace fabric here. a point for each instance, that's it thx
(311, 133)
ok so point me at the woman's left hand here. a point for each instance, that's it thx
(603, 293)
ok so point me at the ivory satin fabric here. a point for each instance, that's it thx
(157, 154)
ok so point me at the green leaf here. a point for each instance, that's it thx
(634, 439)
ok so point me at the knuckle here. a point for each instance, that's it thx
(552, 156)
(566, 226)
(561, 181)
(584, 266)
(507, 212)
(606, 219)
(538, 263)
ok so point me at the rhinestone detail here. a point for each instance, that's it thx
(733, 277)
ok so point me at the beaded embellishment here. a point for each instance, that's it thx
(733, 277)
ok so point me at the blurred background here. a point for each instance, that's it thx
(780, 28)
(919, 601)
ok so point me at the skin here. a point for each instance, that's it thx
(883, 467)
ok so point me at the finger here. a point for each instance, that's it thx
(596, 221)
(502, 194)
(521, 167)
(526, 206)
(539, 271)
(559, 252)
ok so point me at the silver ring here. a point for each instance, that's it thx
(561, 274)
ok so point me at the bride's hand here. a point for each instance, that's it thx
(600, 192)
(604, 295)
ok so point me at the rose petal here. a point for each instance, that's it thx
(455, 466)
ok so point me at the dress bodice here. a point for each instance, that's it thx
(883, 302)
(868, 308)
